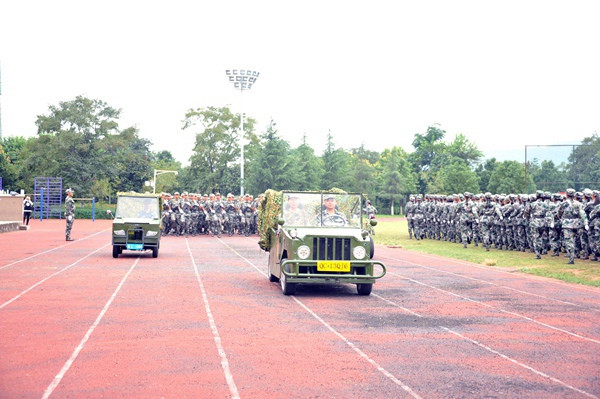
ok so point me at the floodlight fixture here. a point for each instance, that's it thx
(242, 79)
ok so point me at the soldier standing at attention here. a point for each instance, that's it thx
(572, 216)
(69, 213)
(594, 221)
(409, 212)
(539, 216)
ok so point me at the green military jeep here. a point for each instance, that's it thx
(137, 223)
(317, 238)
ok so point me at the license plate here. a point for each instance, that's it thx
(333, 266)
(135, 247)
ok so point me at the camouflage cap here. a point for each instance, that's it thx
(570, 192)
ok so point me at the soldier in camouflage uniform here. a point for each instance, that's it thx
(409, 212)
(555, 230)
(489, 211)
(69, 213)
(572, 218)
(584, 236)
(594, 223)
(519, 229)
(418, 218)
(509, 222)
(467, 213)
(539, 216)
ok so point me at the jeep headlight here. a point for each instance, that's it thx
(359, 252)
(151, 233)
(120, 233)
(303, 251)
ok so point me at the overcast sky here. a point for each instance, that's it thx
(505, 74)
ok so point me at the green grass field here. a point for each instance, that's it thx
(394, 232)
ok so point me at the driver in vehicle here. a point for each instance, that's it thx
(330, 216)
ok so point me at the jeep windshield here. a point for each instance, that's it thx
(137, 208)
(321, 210)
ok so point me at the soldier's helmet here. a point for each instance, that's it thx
(488, 195)
(539, 194)
(512, 197)
(570, 192)
(523, 197)
(68, 190)
(556, 196)
(176, 193)
(588, 193)
(596, 193)
(468, 194)
(476, 197)
(531, 197)
(461, 197)
(419, 197)
(411, 198)
(579, 195)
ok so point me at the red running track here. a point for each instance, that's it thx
(203, 321)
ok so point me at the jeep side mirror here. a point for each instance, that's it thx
(373, 222)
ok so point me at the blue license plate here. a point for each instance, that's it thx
(135, 247)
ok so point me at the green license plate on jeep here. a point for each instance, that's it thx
(333, 266)
(135, 247)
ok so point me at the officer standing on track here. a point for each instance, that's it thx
(69, 213)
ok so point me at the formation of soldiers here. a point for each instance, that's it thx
(541, 223)
(194, 214)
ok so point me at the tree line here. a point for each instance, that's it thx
(81, 141)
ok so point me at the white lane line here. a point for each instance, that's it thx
(58, 378)
(213, 326)
(50, 250)
(492, 284)
(360, 352)
(339, 335)
(498, 309)
(495, 352)
(50, 276)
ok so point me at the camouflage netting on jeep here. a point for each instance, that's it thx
(269, 210)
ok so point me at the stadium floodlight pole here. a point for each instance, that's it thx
(242, 79)
(158, 172)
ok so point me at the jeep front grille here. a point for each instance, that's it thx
(135, 234)
(331, 248)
